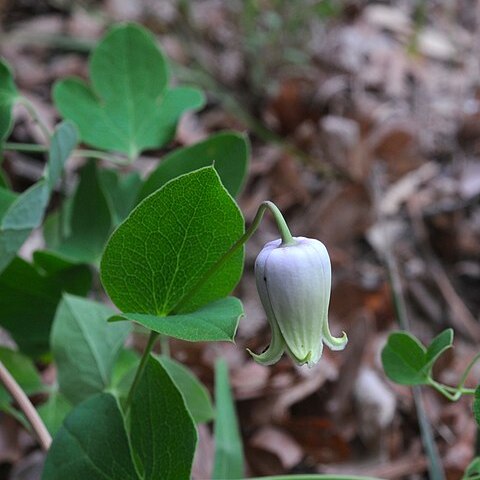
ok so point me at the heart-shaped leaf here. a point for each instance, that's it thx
(129, 106)
(157, 256)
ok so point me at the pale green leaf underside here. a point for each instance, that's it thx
(129, 106)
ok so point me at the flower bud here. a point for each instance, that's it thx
(294, 284)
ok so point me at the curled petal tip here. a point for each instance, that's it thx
(332, 342)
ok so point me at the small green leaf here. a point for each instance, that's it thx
(29, 298)
(473, 470)
(404, 359)
(120, 191)
(169, 242)
(162, 432)
(54, 411)
(439, 344)
(23, 371)
(196, 396)
(91, 444)
(26, 212)
(85, 347)
(228, 463)
(230, 152)
(91, 221)
(7, 197)
(8, 95)
(129, 106)
(215, 322)
(476, 406)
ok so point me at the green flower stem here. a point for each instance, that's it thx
(35, 148)
(287, 239)
(36, 118)
(141, 368)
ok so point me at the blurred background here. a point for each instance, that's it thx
(364, 119)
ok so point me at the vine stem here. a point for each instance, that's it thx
(38, 427)
(141, 368)
(287, 239)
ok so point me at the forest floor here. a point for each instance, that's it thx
(364, 120)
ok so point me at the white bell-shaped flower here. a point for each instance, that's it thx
(294, 283)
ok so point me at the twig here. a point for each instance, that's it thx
(38, 427)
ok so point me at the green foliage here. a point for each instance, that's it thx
(54, 411)
(227, 150)
(92, 443)
(476, 405)
(90, 219)
(29, 298)
(8, 96)
(473, 470)
(26, 212)
(196, 396)
(215, 322)
(407, 362)
(169, 242)
(167, 451)
(23, 371)
(228, 463)
(85, 347)
(129, 106)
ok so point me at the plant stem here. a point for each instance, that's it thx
(38, 427)
(141, 369)
(287, 239)
(35, 148)
(165, 346)
(36, 118)
(467, 371)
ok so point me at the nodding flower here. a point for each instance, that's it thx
(294, 282)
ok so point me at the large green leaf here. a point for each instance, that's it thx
(27, 210)
(91, 220)
(92, 444)
(197, 398)
(407, 362)
(162, 432)
(8, 95)
(7, 197)
(169, 242)
(85, 347)
(229, 151)
(29, 298)
(228, 462)
(54, 411)
(129, 106)
(215, 322)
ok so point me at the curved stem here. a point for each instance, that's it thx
(287, 239)
(140, 369)
(463, 379)
(38, 427)
(25, 147)
(36, 118)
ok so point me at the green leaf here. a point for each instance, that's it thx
(85, 347)
(228, 463)
(54, 411)
(22, 370)
(169, 242)
(29, 298)
(120, 191)
(473, 470)
(26, 212)
(215, 322)
(166, 450)
(91, 221)
(230, 152)
(64, 140)
(129, 106)
(439, 344)
(476, 405)
(404, 359)
(7, 197)
(8, 95)
(92, 444)
(196, 396)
